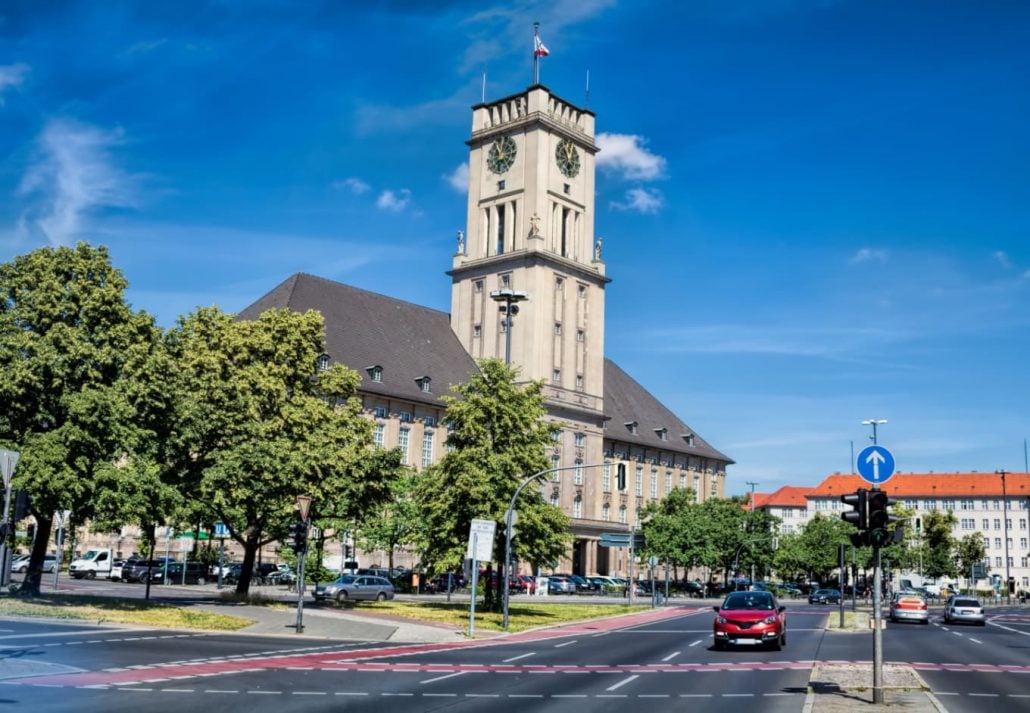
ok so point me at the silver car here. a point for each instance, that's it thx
(965, 610)
(353, 587)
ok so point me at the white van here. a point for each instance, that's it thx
(93, 564)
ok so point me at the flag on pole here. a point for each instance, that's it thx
(538, 47)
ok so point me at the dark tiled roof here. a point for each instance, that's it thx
(625, 400)
(365, 329)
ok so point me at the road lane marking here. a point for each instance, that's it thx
(671, 656)
(622, 683)
(558, 646)
(975, 641)
(440, 678)
(522, 656)
(350, 693)
(696, 643)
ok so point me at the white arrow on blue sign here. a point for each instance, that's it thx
(875, 464)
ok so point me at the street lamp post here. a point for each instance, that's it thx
(752, 484)
(874, 422)
(508, 299)
(508, 524)
(877, 599)
(1005, 515)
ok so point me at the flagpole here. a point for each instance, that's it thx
(536, 57)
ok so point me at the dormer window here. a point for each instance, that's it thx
(323, 362)
(689, 438)
(631, 426)
(424, 384)
(663, 433)
(375, 373)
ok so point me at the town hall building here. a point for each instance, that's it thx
(527, 285)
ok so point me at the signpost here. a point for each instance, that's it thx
(622, 540)
(303, 505)
(480, 548)
(875, 464)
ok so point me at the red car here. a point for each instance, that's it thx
(750, 619)
(528, 583)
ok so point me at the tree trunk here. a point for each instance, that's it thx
(34, 575)
(150, 538)
(250, 548)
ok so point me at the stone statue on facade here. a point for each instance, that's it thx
(534, 226)
(461, 242)
(597, 250)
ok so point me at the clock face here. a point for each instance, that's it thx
(567, 157)
(501, 155)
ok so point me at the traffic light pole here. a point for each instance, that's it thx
(301, 556)
(877, 631)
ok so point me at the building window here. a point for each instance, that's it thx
(654, 483)
(668, 482)
(477, 331)
(558, 283)
(683, 481)
(505, 280)
(478, 286)
(579, 381)
(380, 412)
(430, 421)
(556, 376)
(424, 384)
(323, 362)
(577, 474)
(997, 543)
(580, 440)
(556, 435)
(997, 561)
(639, 485)
(986, 524)
(557, 329)
(662, 433)
(566, 188)
(637, 521)
(1022, 543)
(622, 514)
(997, 523)
(402, 444)
(577, 508)
(404, 416)
(500, 185)
(606, 478)
(689, 438)
(554, 499)
(556, 475)
(631, 426)
(581, 336)
(582, 291)
(379, 435)
(606, 512)
(375, 373)
(427, 449)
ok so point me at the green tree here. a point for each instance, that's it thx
(938, 544)
(674, 529)
(970, 550)
(820, 543)
(66, 333)
(498, 438)
(397, 524)
(725, 535)
(258, 425)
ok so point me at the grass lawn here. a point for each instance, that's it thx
(119, 611)
(521, 616)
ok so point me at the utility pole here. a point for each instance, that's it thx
(877, 599)
(752, 484)
(1005, 515)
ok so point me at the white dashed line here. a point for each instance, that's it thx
(441, 678)
(558, 646)
(622, 683)
(516, 658)
(671, 656)
(696, 642)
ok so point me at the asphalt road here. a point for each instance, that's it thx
(602, 666)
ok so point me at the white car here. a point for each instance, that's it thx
(116, 570)
(22, 564)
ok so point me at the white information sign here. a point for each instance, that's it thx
(481, 538)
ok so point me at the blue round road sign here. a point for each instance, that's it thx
(875, 464)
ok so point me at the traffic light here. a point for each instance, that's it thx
(880, 518)
(22, 503)
(620, 475)
(30, 532)
(298, 536)
(859, 517)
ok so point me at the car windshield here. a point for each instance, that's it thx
(345, 579)
(748, 600)
(966, 603)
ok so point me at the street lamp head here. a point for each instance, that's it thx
(506, 294)
(874, 421)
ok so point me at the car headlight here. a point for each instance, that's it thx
(770, 619)
(721, 620)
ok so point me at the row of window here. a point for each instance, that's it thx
(966, 504)
(998, 544)
(969, 523)
(403, 443)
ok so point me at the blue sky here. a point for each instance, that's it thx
(814, 212)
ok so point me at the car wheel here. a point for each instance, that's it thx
(777, 644)
(341, 597)
(720, 645)
(381, 597)
(91, 575)
(925, 621)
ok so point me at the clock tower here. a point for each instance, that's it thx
(530, 237)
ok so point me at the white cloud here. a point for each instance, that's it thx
(868, 255)
(640, 200)
(73, 177)
(352, 184)
(458, 179)
(1003, 259)
(394, 201)
(625, 154)
(11, 75)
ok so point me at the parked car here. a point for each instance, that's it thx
(693, 588)
(965, 610)
(556, 584)
(20, 563)
(195, 573)
(909, 607)
(283, 575)
(140, 570)
(528, 583)
(824, 596)
(352, 587)
(750, 619)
